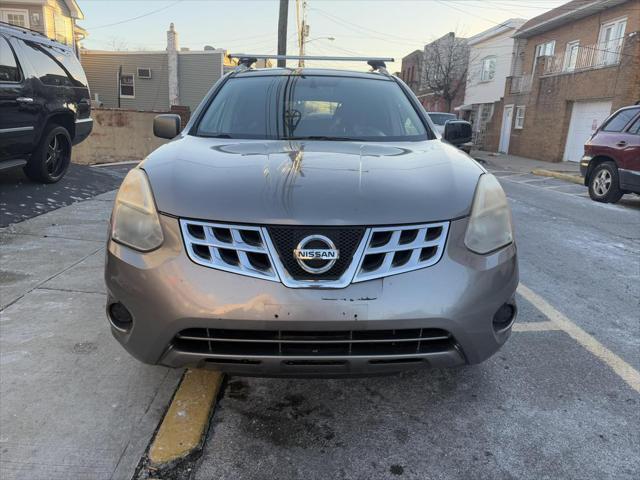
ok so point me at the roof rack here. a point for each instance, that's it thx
(246, 60)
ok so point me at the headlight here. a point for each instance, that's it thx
(134, 221)
(490, 224)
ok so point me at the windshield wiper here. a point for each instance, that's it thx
(324, 137)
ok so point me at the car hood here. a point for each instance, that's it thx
(311, 182)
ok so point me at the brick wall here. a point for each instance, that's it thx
(118, 136)
(586, 30)
(550, 102)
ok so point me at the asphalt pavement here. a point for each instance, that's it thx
(21, 199)
(561, 400)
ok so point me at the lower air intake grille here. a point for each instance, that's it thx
(286, 343)
(286, 239)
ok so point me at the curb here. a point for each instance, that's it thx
(559, 175)
(181, 433)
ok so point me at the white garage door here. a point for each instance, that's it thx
(585, 118)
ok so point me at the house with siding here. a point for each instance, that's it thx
(152, 80)
(573, 66)
(54, 18)
(490, 60)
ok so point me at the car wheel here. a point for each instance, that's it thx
(604, 185)
(50, 160)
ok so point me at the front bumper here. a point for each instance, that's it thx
(584, 167)
(166, 293)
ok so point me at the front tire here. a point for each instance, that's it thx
(50, 160)
(604, 184)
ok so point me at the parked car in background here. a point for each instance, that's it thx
(310, 222)
(440, 120)
(45, 106)
(611, 162)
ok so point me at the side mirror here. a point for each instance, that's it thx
(457, 132)
(166, 125)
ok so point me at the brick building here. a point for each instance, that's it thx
(573, 66)
(411, 71)
(420, 66)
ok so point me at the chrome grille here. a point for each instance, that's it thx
(393, 250)
(232, 248)
(250, 250)
(305, 344)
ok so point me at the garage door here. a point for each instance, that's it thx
(585, 118)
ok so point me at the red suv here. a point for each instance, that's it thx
(611, 162)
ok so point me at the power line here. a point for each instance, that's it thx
(137, 17)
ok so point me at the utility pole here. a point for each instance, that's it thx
(303, 28)
(282, 31)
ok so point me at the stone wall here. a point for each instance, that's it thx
(118, 136)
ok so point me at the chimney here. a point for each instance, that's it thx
(172, 59)
(172, 39)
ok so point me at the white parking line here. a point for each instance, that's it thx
(617, 364)
(535, 326)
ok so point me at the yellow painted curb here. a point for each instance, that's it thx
(183, 427)
(560, 175)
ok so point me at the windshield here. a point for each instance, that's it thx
(312, 107)
(441, 118)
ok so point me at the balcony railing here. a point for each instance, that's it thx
(583, 58)
(521, 84)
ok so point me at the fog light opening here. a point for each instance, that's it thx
(120, 317)
(504, 317)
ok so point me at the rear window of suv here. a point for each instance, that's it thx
(9, 71)
(55, 66)
(312, 107)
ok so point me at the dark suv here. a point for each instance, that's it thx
(611, 162)
(45, 104)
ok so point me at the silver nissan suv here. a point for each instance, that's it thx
(310, 222)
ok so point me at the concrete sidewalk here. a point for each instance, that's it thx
(73, 403)
(524, 165)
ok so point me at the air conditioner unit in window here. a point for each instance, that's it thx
(144, 73)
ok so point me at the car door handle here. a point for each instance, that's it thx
(24, 100)
(621, 143)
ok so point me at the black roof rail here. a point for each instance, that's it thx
(245, 60)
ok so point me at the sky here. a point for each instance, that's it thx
(388, 28)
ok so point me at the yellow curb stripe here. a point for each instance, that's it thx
(535, 327)
(183, 427)
(625, 371)
(560, 175)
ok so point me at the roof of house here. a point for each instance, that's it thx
(564, 14)
(74, 8)
(412, 54)
(506, 26)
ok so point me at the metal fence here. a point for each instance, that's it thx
(577, 57)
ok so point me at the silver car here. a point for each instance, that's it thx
(310, 222)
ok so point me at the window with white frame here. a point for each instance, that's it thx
(62, 28)
(610, 41)
(571, 55)
(488, 69)
(519, 117)
(546, 49)
(17, 17)
(127, 86)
